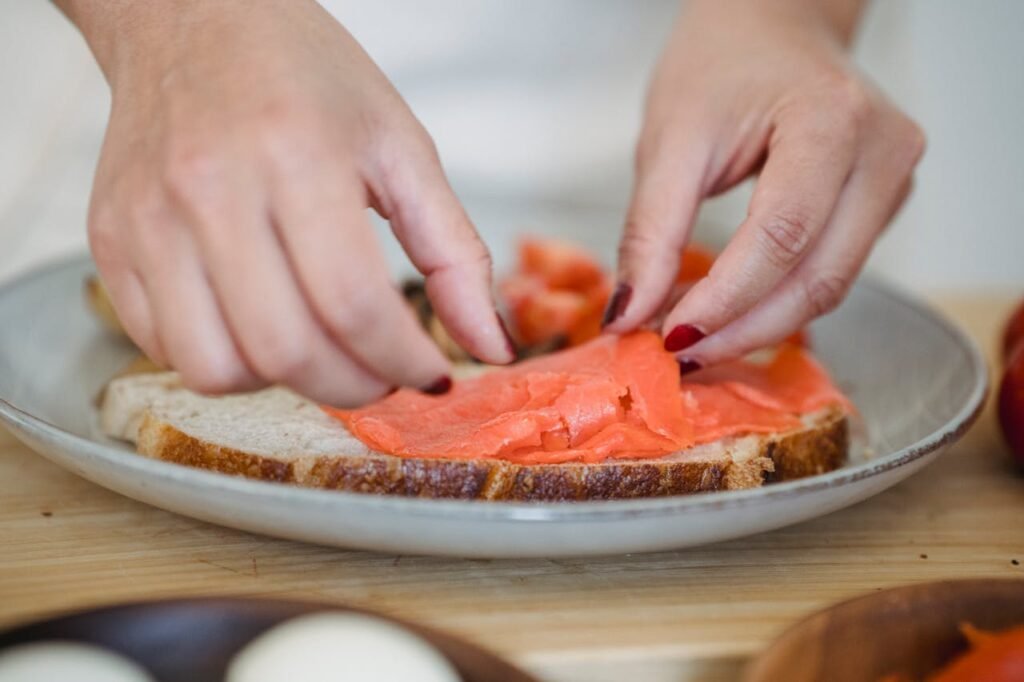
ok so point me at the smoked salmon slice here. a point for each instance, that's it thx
(612, 397)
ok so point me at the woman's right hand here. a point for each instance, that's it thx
(228, 218)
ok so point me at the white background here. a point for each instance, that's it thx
(535, 106)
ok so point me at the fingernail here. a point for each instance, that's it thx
(687, 366)
(617, 304)
(509, 343)
(683, 336)
(439, 387)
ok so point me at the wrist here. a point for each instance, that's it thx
(138, 32)
(837, 19)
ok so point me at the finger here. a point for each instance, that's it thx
(128, 296)
(334, 252)
(822, 280)
(122, 282)
(188, 321)
(808, 164)
(660, 218)
(265, 311)
(442, 243)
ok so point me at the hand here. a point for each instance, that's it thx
(228, 217)
(762, 86)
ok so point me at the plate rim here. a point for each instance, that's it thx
(577, 512)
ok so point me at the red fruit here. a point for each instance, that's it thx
(1013, 335)
(562, 265)
(694, 263)
(993, 657)
(548, 315)
(1011, 405)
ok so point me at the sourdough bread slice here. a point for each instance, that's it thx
(275, 435)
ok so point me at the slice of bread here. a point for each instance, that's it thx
(275, 435)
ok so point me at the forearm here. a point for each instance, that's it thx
(135, 31)
(838, 17)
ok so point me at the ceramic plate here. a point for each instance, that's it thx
(917, 381)
(161, 636)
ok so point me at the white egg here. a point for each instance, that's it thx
(57, 661)
(329, 647)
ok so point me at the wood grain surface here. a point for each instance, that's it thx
(693, 614)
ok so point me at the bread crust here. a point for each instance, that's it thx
(816, 449)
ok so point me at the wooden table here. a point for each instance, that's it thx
(693, 614)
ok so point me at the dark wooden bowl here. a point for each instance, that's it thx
(912, 630)
(193, 640)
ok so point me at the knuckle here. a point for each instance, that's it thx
(913, 141)
(291, 137)
(784, 236)
(396, 146)
(637, 242)
(824, 293)
(357, 316)
(191, 171)
(851, 103)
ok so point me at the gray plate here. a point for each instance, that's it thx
(916, 379)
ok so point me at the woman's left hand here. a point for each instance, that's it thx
(746, 87)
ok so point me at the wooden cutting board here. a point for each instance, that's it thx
(687, 615)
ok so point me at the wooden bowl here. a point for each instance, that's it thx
(912, 630)
(194, 640)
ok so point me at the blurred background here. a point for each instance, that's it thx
(535, 107)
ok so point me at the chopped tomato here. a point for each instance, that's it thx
(549, 314)
(993, 657)
(695, 263)
(562, 265)
(560, 290)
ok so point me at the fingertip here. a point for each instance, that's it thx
(682, 336)
(439, 386)
(617, 305)
(510, 344)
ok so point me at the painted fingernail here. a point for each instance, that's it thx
(683, 336)
(687, 366)
(617, 304)
(439, 387)
(509, 343)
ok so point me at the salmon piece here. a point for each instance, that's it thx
(715, 412)
(613, 397)
(791, 382)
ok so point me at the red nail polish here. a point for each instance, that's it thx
(683, 336)
(687, 366)
(509, 343)
(439, 387)
(617, 305)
